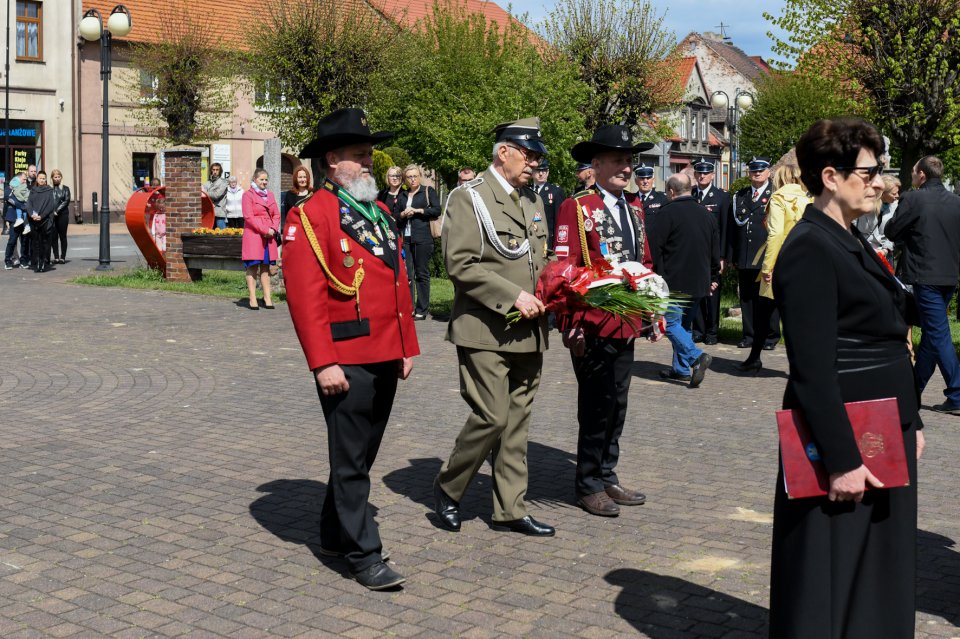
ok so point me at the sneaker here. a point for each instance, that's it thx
(26, 230)
(24, 266)
(8, 267)
(18, 222)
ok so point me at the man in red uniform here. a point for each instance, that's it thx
(602, 221)
(350, 303)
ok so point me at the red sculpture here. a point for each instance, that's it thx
(146, 220)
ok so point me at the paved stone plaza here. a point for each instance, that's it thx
(164, 462)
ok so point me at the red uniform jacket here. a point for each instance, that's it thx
(568, 245)
(329, 325)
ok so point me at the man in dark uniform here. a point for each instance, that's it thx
(552, 196)
(603, 221)
(350, 304)
(494, 247)
(584, 174)
(746, 239)
(706, 324)
(650, 198)
(686, 253)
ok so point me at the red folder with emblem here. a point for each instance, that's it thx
(876, 425)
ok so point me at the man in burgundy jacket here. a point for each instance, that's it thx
(350, 304)
(602, 221)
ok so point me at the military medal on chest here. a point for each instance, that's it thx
(348, 260)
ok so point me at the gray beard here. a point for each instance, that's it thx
(363, 188)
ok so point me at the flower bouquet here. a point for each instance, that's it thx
(629, 291)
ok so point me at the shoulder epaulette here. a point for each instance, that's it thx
(477, 181)
(583, 193)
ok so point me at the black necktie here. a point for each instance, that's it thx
(626, 230)
(699, 196)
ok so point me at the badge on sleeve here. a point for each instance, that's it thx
(587, 224)
(563, 234)
(291, 232)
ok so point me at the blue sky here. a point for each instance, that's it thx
(747, 26)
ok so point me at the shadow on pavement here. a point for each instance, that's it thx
(659, 606)
(720, 366)
(938, 576)
(290, 509)
(551, 482)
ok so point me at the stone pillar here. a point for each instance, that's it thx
(182, 173)
(271, 162)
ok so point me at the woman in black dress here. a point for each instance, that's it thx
(61, 193)
(843, 566)
(423, 205)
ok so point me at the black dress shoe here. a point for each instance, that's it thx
(745, 343)
(526, 526)
(379, 576)
(769, 346)
(749, 367)
(699, 369)
(697, 338)
(669, 373)
(710, 340)
(446, 509)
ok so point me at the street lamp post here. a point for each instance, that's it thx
(742, 100)
(91, 28)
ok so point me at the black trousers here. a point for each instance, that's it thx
(764, 314)
(706, 323)
(59, 239)
(418, 274)
(40, 236)
(603, 378)
(356, 421)
(749, 294)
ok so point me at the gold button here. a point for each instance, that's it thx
(399, 314)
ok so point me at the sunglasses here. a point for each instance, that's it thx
(870, 171)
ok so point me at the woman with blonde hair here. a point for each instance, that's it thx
(261, 228)
(786, 207)
(423, 205)
(869, 224)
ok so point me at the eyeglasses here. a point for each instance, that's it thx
(413, 177)
(871, 171)
(530, 157)
(394, 177)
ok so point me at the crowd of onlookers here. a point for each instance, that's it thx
(36, 213)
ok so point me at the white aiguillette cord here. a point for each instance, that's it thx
(485, 223)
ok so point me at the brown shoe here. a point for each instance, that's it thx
(625, 496)
(598, 504)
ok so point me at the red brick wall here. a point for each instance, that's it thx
(182, 206)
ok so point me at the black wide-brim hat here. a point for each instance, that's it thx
(342, 128)
(610, 137)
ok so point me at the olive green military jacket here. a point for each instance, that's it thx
(486, 284)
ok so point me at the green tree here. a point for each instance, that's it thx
(400, 157)
(183, 86)
(455, 76)
(787, 103)
(312, 57)
(903, 55)
(381, 162)
(622, 53)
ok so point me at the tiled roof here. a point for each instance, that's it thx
(750, 67)
(149, 15)
(684, 68)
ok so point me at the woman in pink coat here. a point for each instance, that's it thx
(261, 224)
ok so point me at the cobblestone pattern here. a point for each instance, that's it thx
(164, 463)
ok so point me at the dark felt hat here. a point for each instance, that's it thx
(340, 128)
(703, 165)
(643, 170)
(758, 163)
(525, 133)
(610, 137)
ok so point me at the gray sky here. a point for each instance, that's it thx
(747, 26)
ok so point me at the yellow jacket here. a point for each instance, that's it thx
(786, 207)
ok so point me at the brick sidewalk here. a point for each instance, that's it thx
(164, 461)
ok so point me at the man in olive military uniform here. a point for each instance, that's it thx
(650, 198)
(746, 239)
(706, 323)
(552, 196)
(495, 245)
